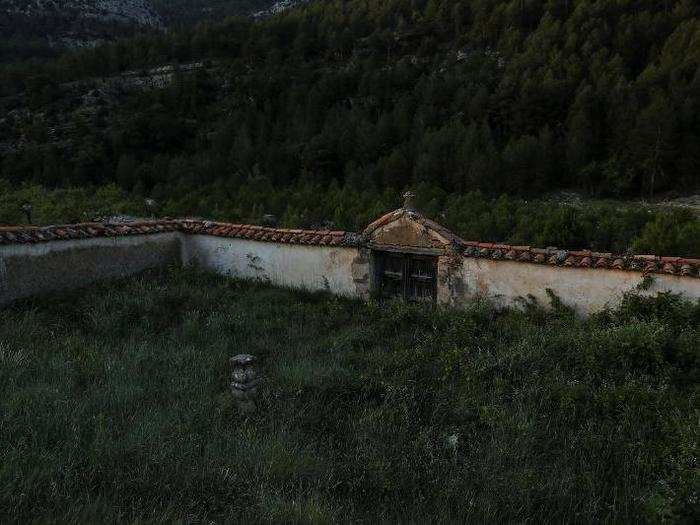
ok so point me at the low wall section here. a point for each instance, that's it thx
(308, 267)
(39, 260)
(32, 269)
(586, 290)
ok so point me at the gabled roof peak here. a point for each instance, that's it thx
(406, 227)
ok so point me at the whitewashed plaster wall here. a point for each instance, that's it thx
(33, 269)
(312, 268)
(587, 290)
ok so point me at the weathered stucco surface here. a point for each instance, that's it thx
(450, 283)
(363, 273)
(586, 290)
(32, 269)
(407, 233)
(35, 268)
(307, 267)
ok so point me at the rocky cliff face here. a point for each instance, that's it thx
(178, 13)
(127, 11)
(278, 7)
(76, 22)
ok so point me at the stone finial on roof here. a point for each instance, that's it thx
(408, 201)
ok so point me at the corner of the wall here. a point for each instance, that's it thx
(187, 256)
(3, 279)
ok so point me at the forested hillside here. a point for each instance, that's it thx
(38, 28)
(357, 100)
(42, 28)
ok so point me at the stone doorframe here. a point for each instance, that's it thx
(407, 231)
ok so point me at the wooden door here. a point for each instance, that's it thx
(407, 276)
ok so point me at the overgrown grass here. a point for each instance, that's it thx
(114, 406)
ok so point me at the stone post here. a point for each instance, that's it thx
(27, 210)
(244, 382)
(151, 206)
(408, 199)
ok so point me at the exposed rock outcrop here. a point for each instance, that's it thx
(77, 23)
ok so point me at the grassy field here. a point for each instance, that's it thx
(114, 406)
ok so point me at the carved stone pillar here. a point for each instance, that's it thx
(244, 382)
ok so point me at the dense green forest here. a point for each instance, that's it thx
(350, 102)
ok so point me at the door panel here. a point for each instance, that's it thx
(410, 277)
(391, 278)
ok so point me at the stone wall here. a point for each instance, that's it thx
(585, 289)
(506, 274)
(32, 269)
(39, 260)
(331, 268)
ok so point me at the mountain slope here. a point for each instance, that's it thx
(179, 13)
(77, 22)
(36, 28)
(329, 109)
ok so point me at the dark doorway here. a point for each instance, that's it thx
(405, 275)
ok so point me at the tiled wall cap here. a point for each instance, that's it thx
(645, 263)
(584, 259)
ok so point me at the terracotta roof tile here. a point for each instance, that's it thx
(668, 268)
(525, 254)
(602, 262)
(584, 259)
(580, 253)
(618, 264)
(651, 267)
(280, 235)
(571, 261)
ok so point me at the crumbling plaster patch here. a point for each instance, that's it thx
(362, 269)
(452, 288)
